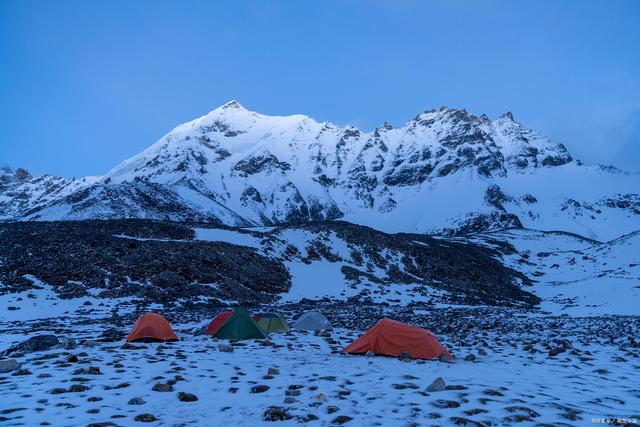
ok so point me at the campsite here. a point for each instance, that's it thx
(157, 369)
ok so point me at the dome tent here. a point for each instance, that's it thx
(217, 322)
(271, 323)
(151, 327)
(240, 326)
(390, 338)
(312, 321)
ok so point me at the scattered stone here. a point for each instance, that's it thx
(145, 418)
(78, 388)
(470, 357)
(91, 370)
(20, 372)
(136, 401)
(226, 348)
(273, 371)
(187, 397)
(162, 387)
(341, 419)
(276, 413)
(259, 388)
(437, 385)
(460, 421)
(556, 350)
(446, 404)
(455, 387)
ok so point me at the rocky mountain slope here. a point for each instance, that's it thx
(171, 263)
(444, 171)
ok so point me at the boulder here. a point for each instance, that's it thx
(437, 385)
(226, 348)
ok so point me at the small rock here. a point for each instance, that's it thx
(455, 387)
(145, 418)
(259, 388)
(21, 372)
(556, 350)
(91, 370)
(78, 388)
(187, 397)
(162, 387)
(226, 348)
(72, 358)
(341, 419)
(470, 357)
(276, 413)
(136, 401)
(443, 358)
(273, 371)
(437, 385)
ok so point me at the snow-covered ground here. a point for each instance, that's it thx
(574, 275)
(589, 315)
(315, 384)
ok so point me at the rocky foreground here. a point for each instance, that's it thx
(512, 367)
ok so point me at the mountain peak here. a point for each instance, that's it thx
(508, 115)
(233, 105)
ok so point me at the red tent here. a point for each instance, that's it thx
(217, 322)
(390, 338)
(151, 326)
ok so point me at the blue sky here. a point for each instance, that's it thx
(86, 84)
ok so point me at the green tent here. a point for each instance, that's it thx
(271, 323)
(240, 326)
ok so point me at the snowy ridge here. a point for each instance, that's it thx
(444, 171)
(575, 275)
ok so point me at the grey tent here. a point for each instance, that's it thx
(312, 321)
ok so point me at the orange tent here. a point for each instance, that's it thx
(390, 338)
(217, 322)
(151, 326)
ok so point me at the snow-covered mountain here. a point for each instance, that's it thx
(445, 171)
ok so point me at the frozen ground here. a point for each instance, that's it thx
(574, 275)
(575, 359)
(513, 379)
